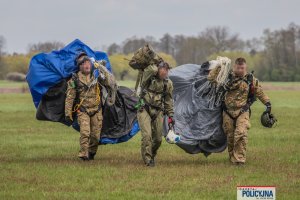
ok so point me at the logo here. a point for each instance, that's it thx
(256, 193)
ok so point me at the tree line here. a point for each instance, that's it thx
(275, 56)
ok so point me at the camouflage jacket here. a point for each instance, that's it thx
(237, 94)
(88, 90)
(153, 90)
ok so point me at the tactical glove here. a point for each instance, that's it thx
(268, 107)
(205, 65)
(171, 121)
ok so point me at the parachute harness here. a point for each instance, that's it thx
(97, 90)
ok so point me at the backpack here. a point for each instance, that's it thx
(143, 57)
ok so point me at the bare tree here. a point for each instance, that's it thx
(167, 44)
(45, 46)
(281, 53)
(254, 45)
(2, 44)
(113, 49)
(220, 39)
(2, 67)
(131, 45)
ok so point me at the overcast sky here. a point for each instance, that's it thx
(102, 22)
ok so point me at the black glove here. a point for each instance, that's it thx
(268, 107)
(68, 120)
(205, 65)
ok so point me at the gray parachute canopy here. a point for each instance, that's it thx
(198, 112)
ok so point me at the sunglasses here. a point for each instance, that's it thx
(82, 60)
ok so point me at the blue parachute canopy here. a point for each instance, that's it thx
(47, 69)
(47, 79)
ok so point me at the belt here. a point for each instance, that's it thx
(147, 108)
(244, 109)
(91, 114)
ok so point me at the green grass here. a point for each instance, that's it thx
(12, 84)
(127, 83)
(38, 160)
(283, 83)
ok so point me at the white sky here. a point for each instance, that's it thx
(102, 22)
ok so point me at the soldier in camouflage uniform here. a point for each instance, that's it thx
(84, 99)
(157, 97)
(241, 91)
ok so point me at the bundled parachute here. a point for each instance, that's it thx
(144, 57)
(141, 59)
(47, 79)
(197, 105)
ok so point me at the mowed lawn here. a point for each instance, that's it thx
(38, 160)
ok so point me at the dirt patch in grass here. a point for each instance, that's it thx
(278, 87)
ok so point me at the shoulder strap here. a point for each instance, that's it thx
(164, 94)
(250, 77)
(251, 93)
(75, 78)
(145, 88)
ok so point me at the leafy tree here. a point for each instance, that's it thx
(17, 63)
(119, 63)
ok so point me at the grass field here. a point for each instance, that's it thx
(38, 160)
(11, 84)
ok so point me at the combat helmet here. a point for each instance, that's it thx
(267, 119)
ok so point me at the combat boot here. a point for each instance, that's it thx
(239, 164)
(151, 163)
(84, 158)
(91, 156)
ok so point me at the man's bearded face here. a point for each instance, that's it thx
(240, 69)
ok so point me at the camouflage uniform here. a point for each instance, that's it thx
(89, 113)
(150, 117)
(235, 121)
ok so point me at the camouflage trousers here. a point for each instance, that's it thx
(90, 128)
(151, 131)
(237, 136)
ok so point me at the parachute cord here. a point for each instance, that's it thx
(77, 106)
(224, 70)
(97, 94)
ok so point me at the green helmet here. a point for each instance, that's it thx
(267, 119)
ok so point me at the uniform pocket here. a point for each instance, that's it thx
(248, 125)
(79, 114)
(247, 120)
(99, 116)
